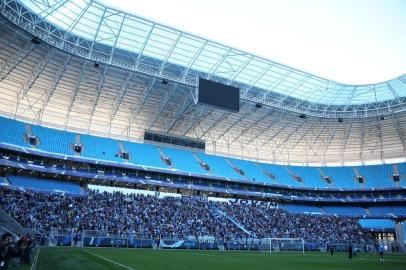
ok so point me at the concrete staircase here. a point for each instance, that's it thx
(266, 173)
(218, 214)
(10, 224)
(5, 180)
(202, 164)
(367, 212)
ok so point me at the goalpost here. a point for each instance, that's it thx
(283, 244)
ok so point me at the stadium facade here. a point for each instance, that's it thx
(81, 83)
(55, 83)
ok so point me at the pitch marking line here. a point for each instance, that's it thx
(103, 258)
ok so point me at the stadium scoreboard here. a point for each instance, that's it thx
(219, 95)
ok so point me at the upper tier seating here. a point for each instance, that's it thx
(343, 177)
(43, 184)
(12, 132)
(144, 154)
(184, 160)
(377, 175)
(53, 140)
(220, 167)
(282, 176)
(310, 176)
(100, 148)
(57, 141)
(251, 170)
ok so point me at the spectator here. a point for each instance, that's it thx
(119, 214)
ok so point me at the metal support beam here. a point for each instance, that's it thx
(135, 110)
(15, 60)
(121, 93)
(75, 92)
(178, 113)
(55, 81)
(162, 106)
(97, 94)
(35, 73)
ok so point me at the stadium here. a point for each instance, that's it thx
(129, 144)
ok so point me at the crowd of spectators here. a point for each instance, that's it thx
(278, 223)
(116, 213)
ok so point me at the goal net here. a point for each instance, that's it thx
(282, 244)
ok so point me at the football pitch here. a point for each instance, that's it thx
(64, 258)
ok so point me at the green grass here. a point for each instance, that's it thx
(63, 258)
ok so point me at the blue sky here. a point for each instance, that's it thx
(348, 41)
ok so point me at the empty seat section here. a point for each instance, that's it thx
(343, 177)
(282, 175)
(310, 175)
(251, 171)
(380, 210)
(144, 154)
(294, 208)
(377, 223)
(388, 210)
(399, 210)
(345, 210)
(12, 132)
(43, 184)
(183, 160)
(402, 172)
(220, 167)
(377, 175)
(53, 140)
(100, 148)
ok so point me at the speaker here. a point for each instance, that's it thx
(36, 40)
(77, 148)
(125, 155)
(32, 140)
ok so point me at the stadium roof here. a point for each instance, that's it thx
(97, 23)
(55, 83)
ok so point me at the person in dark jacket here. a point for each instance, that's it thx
(350, 252)
(6, 250)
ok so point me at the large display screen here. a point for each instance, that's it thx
(219, 95)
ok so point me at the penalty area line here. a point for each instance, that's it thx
(103, 258)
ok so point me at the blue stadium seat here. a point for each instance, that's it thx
(53, 140)
(380, 210)
(43, 184)
(220, 167)
(377, 223)
(343, 177)
(282, 175)
(295, 208)
(144, 154)
(377, 175)
(12, 132)
(310, 175)
(251, 170)
(183, 160)
(345, 210)
(100, 148)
